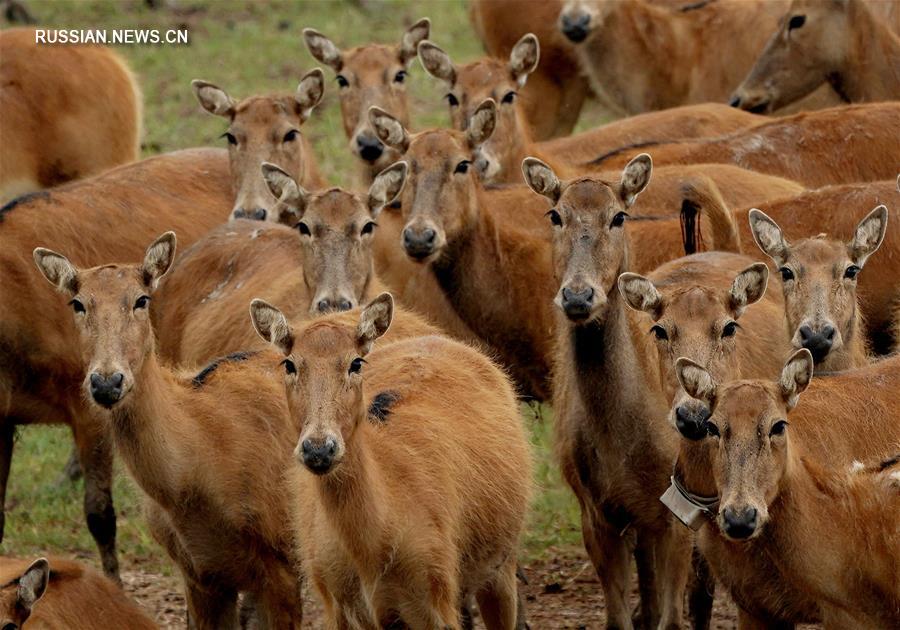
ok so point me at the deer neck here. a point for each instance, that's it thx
(872, 70)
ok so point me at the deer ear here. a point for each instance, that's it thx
(436, 62)
(768, 236)
(748, 287)
(374, 321)
(213, 98)
(33, 583)
(271, 324)
(541, 178)
(386, 186)
(388, 129)
(323, 49)
(57, 269)
(482, 123)
(158, 259)
(640, 294)
(635, 178)
(292, 198)
(696, 381)
(869, 235)
(409, 43)
(524, 58)
(309, 92)
(795, 376)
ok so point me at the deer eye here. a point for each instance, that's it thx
(400, 76)
(796, 22)
(454, 102)
(508, 98)
(77, 306)
(778, 428)
(462, 168)
(342, 81)
(712, 429)
(304, 229)
(660, 333)
(786, 274)
(289, 367)
(230, 137)
(618, 220)
(356, 365)
(555, 219)
(142, 302)
(291, 135)
(729, 329)
(369, 227)
(851, 271)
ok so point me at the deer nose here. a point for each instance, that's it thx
(106, 390)
(577, 304)
(257, 214)
(318, 455)
(739, 523)
(576, 27)
(735, 101)
(370, 148)
(818, 343)
(691, 421)
(329, 305)
(419, 244)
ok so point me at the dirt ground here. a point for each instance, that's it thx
(561, 593)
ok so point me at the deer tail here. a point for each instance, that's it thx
(702, 208)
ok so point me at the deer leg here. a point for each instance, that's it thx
(749, 621)
(72, 470)
(211, 606)
(672, 555)
(95, 453)
(611, 558)
(646, 615)
(498, 601)
(7, 439)
(280, 605)
(702, 592)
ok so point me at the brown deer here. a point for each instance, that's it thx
(609, 391)
(66, 112)
(265, 129)
(373, 74)
(842, 43)
(832, 210)
(799, 147)
(322, 263)
(378, 542)
(640, 57)
(792, 546)
(218, 508)
(498, 160)
(819, 277)
(107, 217)
(63, 594)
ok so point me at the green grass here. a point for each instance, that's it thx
(246, 48)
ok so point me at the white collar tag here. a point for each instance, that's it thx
(690, 509)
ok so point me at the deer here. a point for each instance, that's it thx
(60, 593)
(498, 160)
(373, 74)
(843, 44)
(66, 112)
(791, 543)
(97, 219)
(228, 530)
(605, 440)
(800, 147)
(265, 128)
(366, 473)
(322, 263)
(641, 57)
(819, 279)
(831, 210)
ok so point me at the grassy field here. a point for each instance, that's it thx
(246, 48)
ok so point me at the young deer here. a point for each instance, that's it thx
(842, 43)
(819, 277)
(265, 129)
(218, 508)
(797, 542)
(370, 75)
(63, 594)
(322, 263)
(406, 502)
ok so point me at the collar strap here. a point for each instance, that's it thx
(691, 509)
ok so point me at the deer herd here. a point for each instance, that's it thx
(319, 387)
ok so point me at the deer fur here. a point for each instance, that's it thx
(66, 112)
